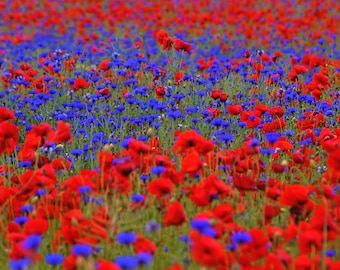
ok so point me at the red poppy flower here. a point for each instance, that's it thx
(160, 187)
(316, 61)
(273, 261)
(180, 45)
(277, 111)
(258, 245)
(176, 266)
(309, 240)
(187, 140)
(215, 94)
(178, 77)
(271, 211)
(9, 135)
(6, 114)
(224, 212)
(322, 219)
(160, 91)
(105, 160)
(214, 112)
(48, 212)
(61, 164)
(199, 196)
(277, 55)
(300, 69)
(104, 65)
(104, 92)
(321, 79)
(161, 36)
(244, 182)
(42, 129)
(70, 262)
(253, 121)
(191, 163)
(262, 108)
(106, 265)
(117, 182)
(278, 168)
(175, 215)
(36, 226)
(175, 176)
(62, 134)
(215, 186)
(144, 245)
(295, 195)
(80, 83)
(223, 97)
(207, 251)
(234, 109)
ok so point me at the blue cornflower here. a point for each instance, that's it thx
(231, 247)
(144, 177)
(217, 122)
(40, 192)
(27, 208)
(76, 152)
(21, 264)
(126, 238)
(32, 242)
(82, 250)
(21, 220)
(137, 198)
(241, 124)
(54, 259)
(157, 170)
(200, 224)
(84, 189)
(184, 238)
(254, 143)
(227, 137)
(127, 262)
(24, 164)
(330, 253)
(152, 226)
(209, 231)
(272, 137)
(241, 237)
(267, 151)
(120, 109)
(144, 259)
(289, 133)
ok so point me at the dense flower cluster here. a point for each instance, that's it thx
(170, 135)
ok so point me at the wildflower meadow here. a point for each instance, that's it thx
(198, 134)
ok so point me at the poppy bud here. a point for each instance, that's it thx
(81, 262)
(150, 131)
(284, 163)
(34, 199)
(312, 163)
(106, 148)
(74, 222)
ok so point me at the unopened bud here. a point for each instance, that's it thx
(106, 148)
(284, 163)
(74, 222)
(312, 163)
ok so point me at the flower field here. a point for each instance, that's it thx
(170, 135)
